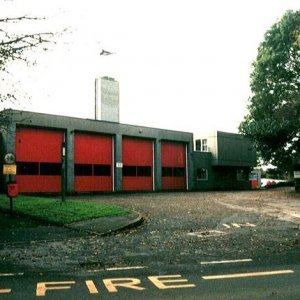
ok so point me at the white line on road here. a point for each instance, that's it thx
(225, 261)
(5, 291)
(242, 275)
(126, 268)
(118, 269)
(11, 274)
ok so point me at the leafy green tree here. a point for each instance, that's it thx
(273, 119)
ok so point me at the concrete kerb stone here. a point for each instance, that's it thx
(104, 226)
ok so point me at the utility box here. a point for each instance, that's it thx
(255, 179)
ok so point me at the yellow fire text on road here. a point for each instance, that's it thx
(113, 285)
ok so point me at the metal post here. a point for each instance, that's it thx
(11, 205)
(63, 172)
(10, 198)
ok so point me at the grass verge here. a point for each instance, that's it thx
(61, 213)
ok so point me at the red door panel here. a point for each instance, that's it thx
(38, 146)
(137, 153)
(173, 157)
(93, 150)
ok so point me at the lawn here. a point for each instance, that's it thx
(57, 212)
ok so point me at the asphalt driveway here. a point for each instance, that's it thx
(179, 228)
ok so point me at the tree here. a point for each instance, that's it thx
(15, 46)
(273, 119)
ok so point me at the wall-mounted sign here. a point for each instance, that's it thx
(296, 174)
(119, 165)
(9, 158)
(9, 169)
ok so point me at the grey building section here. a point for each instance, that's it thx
(202, 160)
(230, 149)
(69, 140)
(7, 144)
(228, 161)
(118, 159)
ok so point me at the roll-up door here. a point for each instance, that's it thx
(173, 161)
(137, 157)
(38, 154)
(93, 158)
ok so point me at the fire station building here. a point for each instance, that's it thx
(100, 156)
(104, 156)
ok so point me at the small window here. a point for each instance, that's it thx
(166, 172)
(198, 145)
(178, 172)
(204, 145)
(83, 170)
(53, 169)
(28, 168)
(202, 174)
(241, 175)
(102, 170)
(144, 171)
(129, 170)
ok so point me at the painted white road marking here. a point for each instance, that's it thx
(118, 269)
(225, 261)
(242, 275)
(125, 268)
(238, 225)
(5, 291)
(10, 274)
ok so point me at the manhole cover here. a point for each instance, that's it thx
(207, 233)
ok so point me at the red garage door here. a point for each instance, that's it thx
(93, 163)
(137, 164)
(38, 154)
(173, 161)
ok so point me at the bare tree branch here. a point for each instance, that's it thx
(15, 46)
(17, 19)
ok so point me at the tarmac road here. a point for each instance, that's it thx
(184, 234)
(219, 280)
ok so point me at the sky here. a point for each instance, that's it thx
(182, 64)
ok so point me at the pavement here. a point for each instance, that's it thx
(29, 231)
(107, 225)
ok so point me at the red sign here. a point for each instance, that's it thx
(12, 190)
